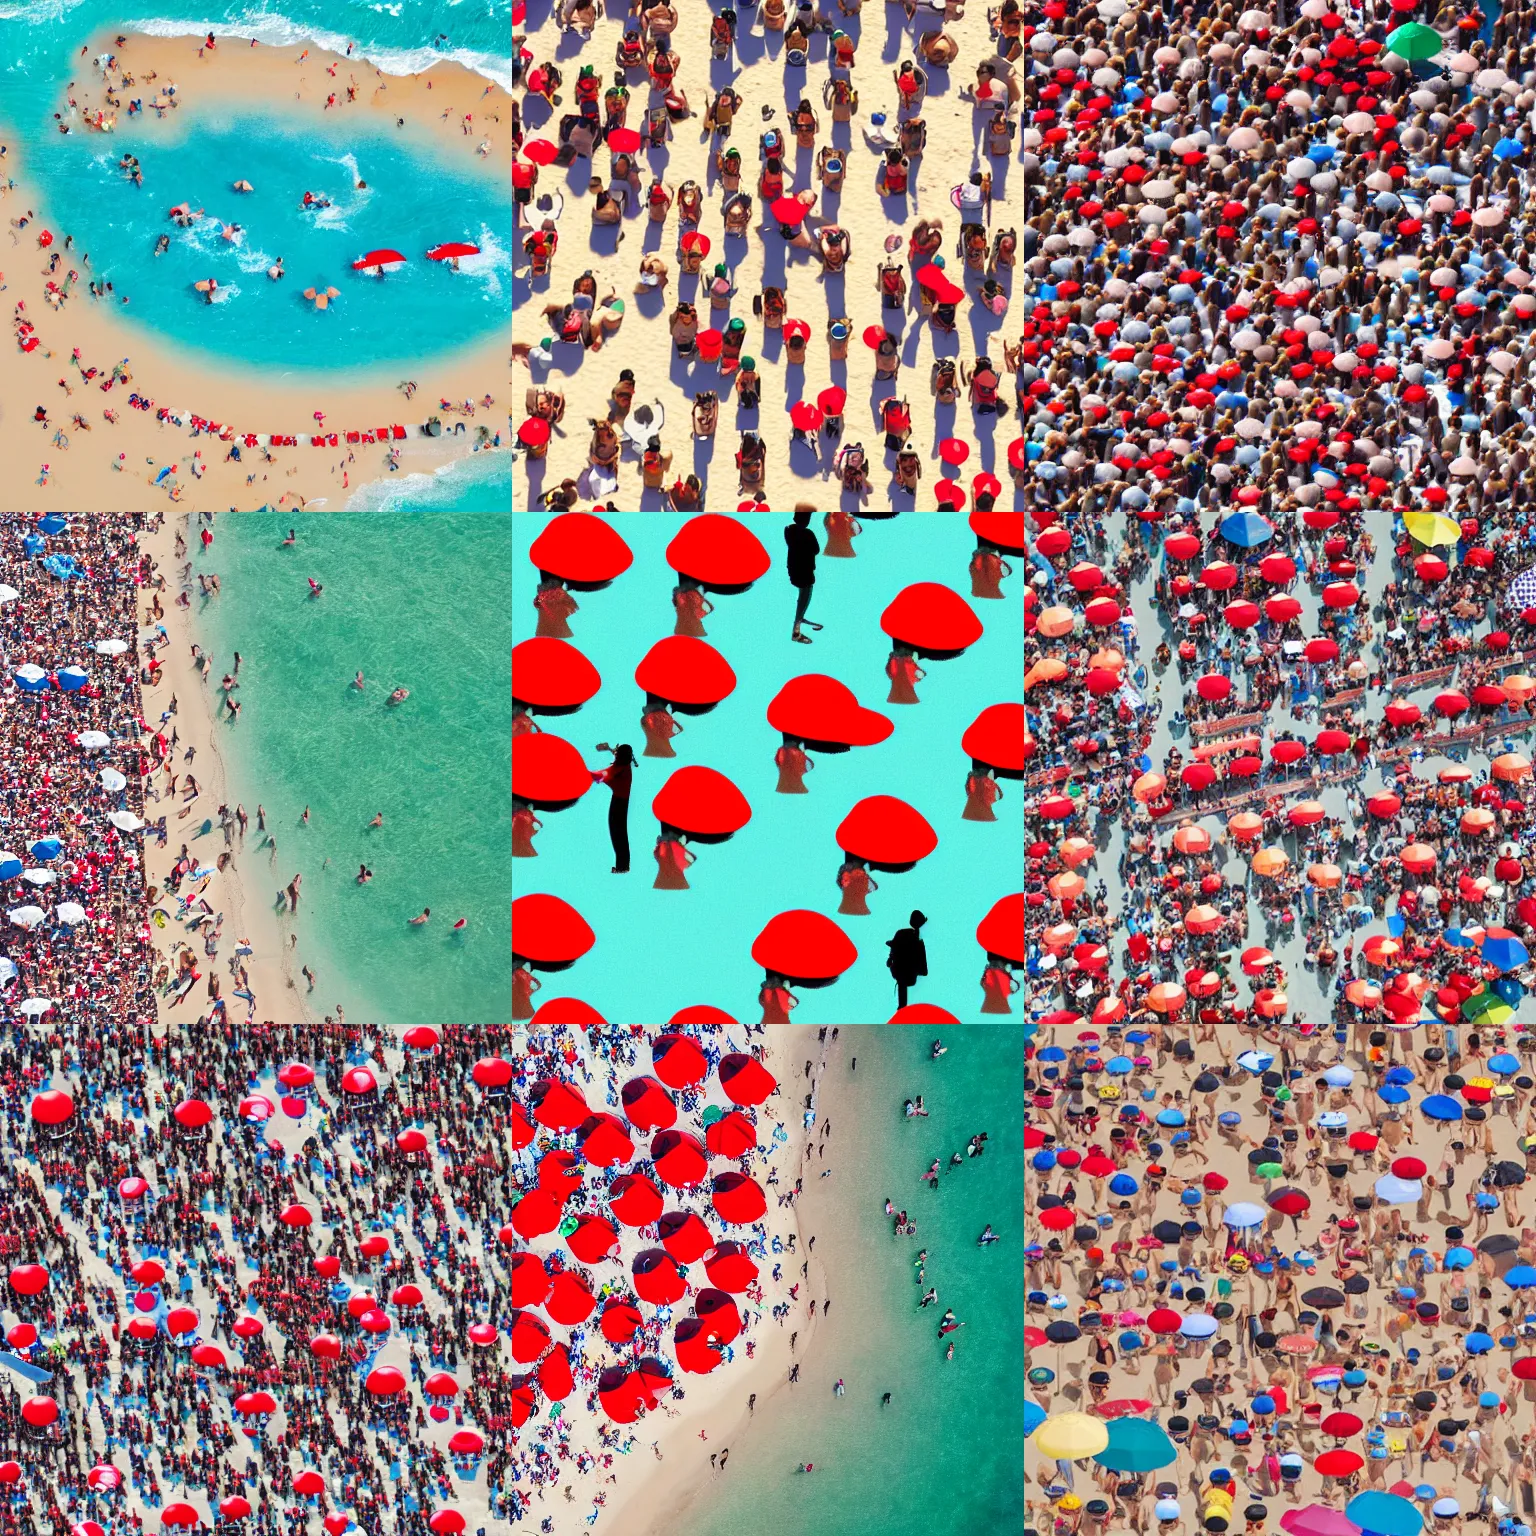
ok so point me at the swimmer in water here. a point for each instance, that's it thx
(416, 922)
(357, 682)
(399, 696)
(293, 538)
(378, 820)
(364, 874)
(988, 1236)
(939, 1049)
(315, 588)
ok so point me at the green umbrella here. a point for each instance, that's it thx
(1487, 1009)
(1136, 1445)
(1414, 41)
(1270, 1170)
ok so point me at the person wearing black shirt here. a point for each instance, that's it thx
(803, 549)
(908, 958)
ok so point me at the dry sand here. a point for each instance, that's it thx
(240, 890)
(82, 474)
(956, 141)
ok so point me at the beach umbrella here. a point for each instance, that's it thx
(701, 1013)
(1502, 950)
(744, 1079)
(1121, 1406)
(804, 947)
(684, 1235)
(996, 737)
(658, 1277)
(731, 1135)
(875, 336)
(1384, 1514)
(547, 932)
(825, 714)
(581, 550)
(552, 677)
(70, 913)
(694, 1347)
(634, 1200)
(557, 1105)
(1243, 1214)
(540, 151)
(953, 451)
(1246, 529)
(1414, 41)
(1198, 1325)
(1034, 1417)
(690, 674)
(534, 432)
(692, 240)
(452, 250)
(1136, 1445)
(623, 141)
(1001, 931)
(1071, 1436)
(378, 260)
(679, 1159)
(738, 1199)
(788, 210)
(887, 832)
(647, 1105)
(730, 1267)
(832, 400)
(1440, 1106)
(718, 552)
(805, 416)
(547, 771)
(679, 1061)
(935, 621)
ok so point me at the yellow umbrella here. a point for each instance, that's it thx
(1513, 766)
(1071, 1436)
(1270, 861)
(1430, 528)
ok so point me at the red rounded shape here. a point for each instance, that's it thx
(536, 1213)
(530, 1283)
(192, 1113)
(470, 1442)
(788, 210)
(179, 1514)
(620, 1320)
(805, 416)
(359, 1080)
(886, 830)
(659, 1278)
(29, 1279)
(1001, 931)
(594, 1240)
(39, 1411)
(623, 141)
(718, 551)
(996, 737)
(570, 1302)
(546, 929)
(647, 1105)
(530, 1338)
(694, 1347)
(552, 674)
(814, 707)
(634, 1200)
(732, 1135)
(411, 1141)
(605, 1141)
(567, 1010)
(746, 1080)
(922, 1013)
(802, 943)
(680, 1063)
(579, 547)
(295, 1215)
(679, 1159)
(52, 1107)
(308, 1483)
(683, 670)
(730, 1267)
(1005, 529)
(738, 1198)
(235, 1507)
(547, 768)
(685, 1236)
(325, 1346)
(933, 618)
(534, 432)
(554, 1378)
(700, 800)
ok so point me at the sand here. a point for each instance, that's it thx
(241, 890)
(83, 474)
(956, 141)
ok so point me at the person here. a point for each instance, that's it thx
(803, 547)
(902, 669)
(885, 1399)
(618, 776)
(908, 957)
(672, 861)
(982, 792)
(855, 882)
(423, 918)
(987, 1236)
(776, 999)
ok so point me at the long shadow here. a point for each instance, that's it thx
(703, 453)
(536, 112)
(571, 43)
(771, 349)
(533, 473)
(651, 303)
(604, 239)
(653, 234)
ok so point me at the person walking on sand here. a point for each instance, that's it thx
(908, 958)
(618, 777)
(803, 549)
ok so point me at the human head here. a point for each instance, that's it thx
(918, 919)
(802, 519)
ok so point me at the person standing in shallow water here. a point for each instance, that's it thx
(908, 958)
(617, 777)
(803, 549)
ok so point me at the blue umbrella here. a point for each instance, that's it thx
(1198, 1325)
(1385, 1514)
(1398, 1076)
(1137, 1445)
(1170, 1117)
(45, 848)
(1246, 529)
(1256, 1061)
(31, 678)
(72, 679)
(1263, 1403)
(1478, 1343)
(1034, 1417)
(10, 866)
(1123, 1184)
(1131, 1340)
(1051, 1053)
(1521, 1278)
(1504, 1064)
(1440, 1106)
(1458, 1258)
(1118, 1066)
(1457, 939)
(62, 566)
(52, 523)
(1043, 1161)
(1510, 990)
(1393, 1093)
(1508, 149)
(1507, 953)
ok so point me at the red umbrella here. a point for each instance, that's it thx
(547, 769)
(788, 210)
(1282, 609)
(701, 1013)
(730, 1267)
(832, 400)
(554, 1377)
(931, 277)
(694, 241)
(922, 1013)
(380, 259)
(986, 484)
(738, 1199)
(874, 335)
(692, 1345)
(1122, 1406)
(818, 709)
(582, 550)
(1338, 1463)
(452, 249)
(557, 1106)
(530, 1285)
(552, 677)
(1001, 931)
(623, 141)
(605, 1141)
(540, 151)
(1004, 529)
(996, 737)
(620, 1319)
(887, 832)
(685, 1236)
(530, 1337)
(745, 1079)
(679, 1159)
(806, 417)
(679, 1061)
(709, 343)
(536, 1213)
(953, 451)
(560, 1173)
(932, 619)
(689, 674)
(619, 1394)
(803, 947)
(718, 552)
(949, 495)
(701, 802)
(647, 1105)
(796, 328)
(549, 932)
(634, 1200)
(571, 1302)
(52, 1107)
(659, 1278)
(534, 432)
(732, 1135)
(718, 1312)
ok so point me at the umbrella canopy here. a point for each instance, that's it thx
(1001, 931)
(1136, 1445)
(689, 674)
(932, 619)
(996, 737)
(623, 141)
(788, 210)
(377, 259)
(581, 550)
(1247, 529)
(680, 1063)
(1384, 1514)
(548, 931)
(818, 709)
(1071, 1436)
(546, 769)
(804, 946)
(647, 1105)
(887, 832)
(701, 802)
(746, 1080)
(552, 676)
(718, 552)
(452, 249)
(1414, 41)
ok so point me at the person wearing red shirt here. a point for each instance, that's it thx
(618, 777)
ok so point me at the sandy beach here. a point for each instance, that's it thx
(239, 891)
(878, 225)
(437, 107)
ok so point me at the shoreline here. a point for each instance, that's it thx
(214, 405)
(272, 967)
(671, 1491)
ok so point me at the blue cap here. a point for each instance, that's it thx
(877, 117)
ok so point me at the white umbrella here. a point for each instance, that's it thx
(8, 594)
(38, 876)
(112, 780)
(1464, 467)
(1359, 122)
(125, 821)
(34, 1006)
(1298, 99)
(8, 971)
(94, 741)
(26, 917)
(1244, 138)
(111, 646)
(1164, 101)
(1490, 79)
(70, 912)
(1489, 215)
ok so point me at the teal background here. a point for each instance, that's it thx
(945, 1458)
(412, 600)
(659, 951)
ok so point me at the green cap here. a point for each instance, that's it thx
(749, 362)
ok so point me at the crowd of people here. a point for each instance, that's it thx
(73, 922)
(1278, 1278)
(1283, 602)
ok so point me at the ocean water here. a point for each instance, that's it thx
(945, 1458)
(412, 600)
(411, 203)
(480, 483)
(660, 951)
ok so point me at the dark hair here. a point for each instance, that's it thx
(801, 519)
(624, 753)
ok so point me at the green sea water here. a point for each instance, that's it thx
(412, 600)
(945, 1458)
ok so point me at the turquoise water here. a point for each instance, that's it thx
(414, 601)
(660, 951)
(411, 202)
(479, 483)
(944, 1458)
